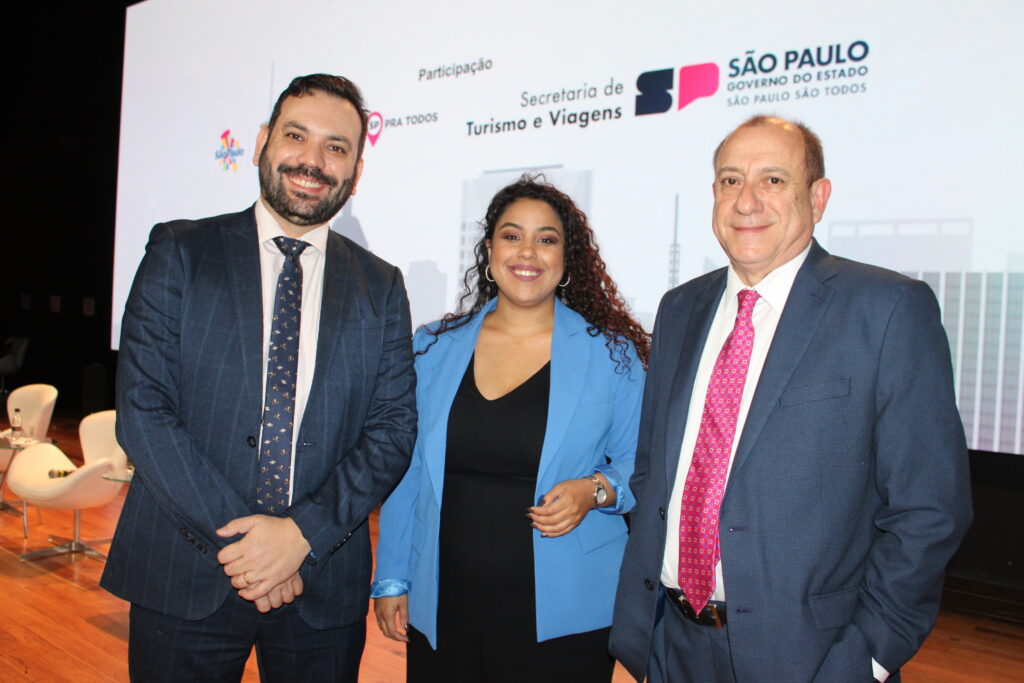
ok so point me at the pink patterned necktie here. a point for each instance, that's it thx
(705, 482)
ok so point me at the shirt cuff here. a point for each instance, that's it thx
(878, 672)
(388, 588)
(615, 479)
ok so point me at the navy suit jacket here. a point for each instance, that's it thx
(849, 490)
(189, 406)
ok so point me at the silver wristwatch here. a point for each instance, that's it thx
(600, 492)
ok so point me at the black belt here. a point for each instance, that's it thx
(712, 615)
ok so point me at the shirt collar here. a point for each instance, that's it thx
(774, 287)
(267, 228)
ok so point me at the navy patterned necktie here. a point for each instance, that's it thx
(282, 368)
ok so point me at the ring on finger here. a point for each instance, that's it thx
(245, 577)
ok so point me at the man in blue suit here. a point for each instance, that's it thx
(801, 473)
(266, 398)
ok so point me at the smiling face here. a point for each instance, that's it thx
(765, 212)
(527, 253)
(308, 165)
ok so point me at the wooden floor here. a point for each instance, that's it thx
(59, 625)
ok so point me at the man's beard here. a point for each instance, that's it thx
(302, 212)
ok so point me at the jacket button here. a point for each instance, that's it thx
(661, 511)
(251, 440)
(649, 584)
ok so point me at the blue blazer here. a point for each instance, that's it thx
(849, 490)
(593, 413)
(189, 404)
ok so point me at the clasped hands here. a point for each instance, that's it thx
(264, 564)
(564, 506)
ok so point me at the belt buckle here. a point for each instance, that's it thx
(716, 620)
(709, 616)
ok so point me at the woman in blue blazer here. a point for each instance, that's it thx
(499, 550)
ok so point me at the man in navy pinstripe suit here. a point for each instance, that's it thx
(211, 570)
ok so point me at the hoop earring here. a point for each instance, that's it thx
(568, 279)
(487, 273)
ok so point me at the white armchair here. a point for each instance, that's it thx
(28, 477)
(36, 402)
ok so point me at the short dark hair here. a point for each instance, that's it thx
(337, 86)
(814, 155)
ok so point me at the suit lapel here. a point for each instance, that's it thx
(338, 291)
(808, 300)
(445, 372)
(693, 332)
(570, 356)
(242, 262)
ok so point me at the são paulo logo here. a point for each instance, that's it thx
(228, 152)
(374, 127)
(655, 88)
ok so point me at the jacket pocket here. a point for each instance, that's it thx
(832, 610)
(599, 532)
(836, 388)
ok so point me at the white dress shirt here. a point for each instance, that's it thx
(312, 261)
(773, 291)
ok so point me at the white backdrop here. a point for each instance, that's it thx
(919, 121)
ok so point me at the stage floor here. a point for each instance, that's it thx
(59, 625)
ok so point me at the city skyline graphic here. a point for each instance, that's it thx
(982, 314)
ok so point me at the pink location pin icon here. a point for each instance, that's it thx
(374, 126)
(697, 80)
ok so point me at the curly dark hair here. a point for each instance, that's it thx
(591, 292)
